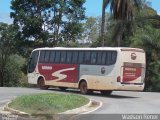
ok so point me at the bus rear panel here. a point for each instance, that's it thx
(132, 70)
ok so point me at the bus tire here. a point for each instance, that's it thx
(63, 88)
(106, 92)
(41, 84)
(83, 87)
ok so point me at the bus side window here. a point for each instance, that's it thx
(58, 55)
(42, 55)
(104, 53)
(69, 57)
(63, 56)
(47, 54)
(75, 57)
(93, 57)
(99, 57)
(80, 57)
(87, 58)
(52, 57)
(109, 58)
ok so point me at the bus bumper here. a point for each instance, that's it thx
(130, 87)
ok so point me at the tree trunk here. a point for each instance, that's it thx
(1, 71)
(119, 36)
(1, 79)
(103, 22)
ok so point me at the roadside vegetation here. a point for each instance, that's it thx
(42, 24)
(47, 104)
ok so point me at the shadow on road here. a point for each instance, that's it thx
(96, 93)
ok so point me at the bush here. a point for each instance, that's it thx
(13, 70)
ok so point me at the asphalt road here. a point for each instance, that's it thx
(120, 102)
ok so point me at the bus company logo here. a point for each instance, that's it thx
(46, 67)
(103, 70)
(133, 56)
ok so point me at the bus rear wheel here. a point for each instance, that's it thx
(41, 84)
(83, 88)
(106, 92)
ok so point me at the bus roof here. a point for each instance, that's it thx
(97, 48)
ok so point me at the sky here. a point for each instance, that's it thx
(93, 8)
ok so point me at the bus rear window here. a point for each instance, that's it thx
(111, 57)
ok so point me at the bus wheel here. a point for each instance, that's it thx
(106, 92)
(41, 84)
(63, 88)
(83, 87)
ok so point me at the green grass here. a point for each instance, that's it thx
(47, 104)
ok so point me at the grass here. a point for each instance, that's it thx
(47, 104)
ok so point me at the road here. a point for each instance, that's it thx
(120, 102)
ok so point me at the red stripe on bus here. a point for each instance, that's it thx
(59, 72)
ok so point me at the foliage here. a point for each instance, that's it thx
(90, 30)
(68, 44)
(48, 21)
(13, 74)
(148, 39)
(123, 9)
(123, 12)
(7, 47)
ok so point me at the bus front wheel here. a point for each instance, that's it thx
(41, 84)
(106, 92)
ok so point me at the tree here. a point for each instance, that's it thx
(46, 20)
(104, 5)
(14, 75)
(7, 47)
(122, 11)
(90, 30)
(148, 39)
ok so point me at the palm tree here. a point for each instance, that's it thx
(122, 10)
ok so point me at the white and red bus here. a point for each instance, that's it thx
(102, 69)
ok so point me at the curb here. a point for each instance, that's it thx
(77, 111)
(14, 111)
(86, 109)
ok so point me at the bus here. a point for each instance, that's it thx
(103, 69)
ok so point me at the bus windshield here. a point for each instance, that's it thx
(33, 61)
